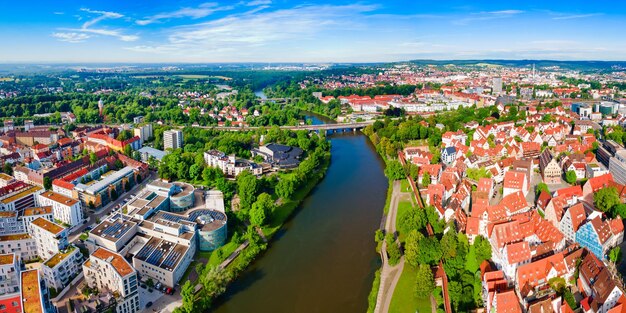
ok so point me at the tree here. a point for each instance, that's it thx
(188, 297)
(93, 158)
(257, 216)
(412, 246)
(263, 206)
(246, 189)
(429, 251)
(47, 183)
(606, 198)
(615, 254)
(393, 251)
(426, 180)
(541, 187)
(7, 168)
(570, 177)
(285, 187)
(619, 210)
(482, 249)
(425, 283)
(394, 170)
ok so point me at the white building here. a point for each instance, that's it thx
(230, 165)
(64, 209)
(50, 238)
(107, 270)
(9, 273)
(143, 132)
(62, 268)
(20, 244)
(172, 139)
(617, 166)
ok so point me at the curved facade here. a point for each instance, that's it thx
(213, 229)
(183, 197)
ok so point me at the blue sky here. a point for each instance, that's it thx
(319, 31)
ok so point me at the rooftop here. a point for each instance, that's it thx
(105, 181)
(113, 228)
(38, 210)
(57, 258)
(31, 292)
(6, 259)
(26, 192)
(117, 261)
(48, 226)
(14, 237)
(162, 253)
(59, 198)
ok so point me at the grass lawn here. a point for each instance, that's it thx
(405, 186)
(404, 299)
(403, 206)
(216, 258)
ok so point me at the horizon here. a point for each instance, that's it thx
(265, 31)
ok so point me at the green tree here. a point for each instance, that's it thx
(541, 187)
(570, 177)
(257, 216)
(93, 158)
(482, 249)
(426, 179)
(286, 187)
(606, 198)
(47, 183)
(246, 189)
(7, 168)
(412, 246)
(393, 251)
(615, 254)
(394, 170)
(425, 282)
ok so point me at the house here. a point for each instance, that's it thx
(594, 184)
(596, 282)
(571, 221)
(515, 181)
(595, 235)
(448, 155)
(549, 167)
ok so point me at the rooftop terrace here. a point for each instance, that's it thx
(48, 226)
(31, 292)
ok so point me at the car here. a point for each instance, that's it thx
(149, 304)
(143, 286)
(157, 286)
(169, 291)
(90, 227)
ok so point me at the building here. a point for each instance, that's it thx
(448, 155)
(496, 85)
(21, 244)
(172, 139)
(148, 152)
(515, 181)
(598, 236)
(65, 209)
(230, 165)
(143, 132)
(35, 297)
(110, 185)
(19, 196)
(279, 156)
(49, 237)
(549, 167)
(617, 166)
(59, 270)
(9, 273)
(108, 271)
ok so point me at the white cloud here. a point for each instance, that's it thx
(485, 16)
(574, 16)
(238, 34)
(70, 37)
(258, 2)
(82, 33)
(202, 10)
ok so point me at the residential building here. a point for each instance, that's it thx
(172, 139)
(515, 181)
(143, 132)
(230, 165)
(59, 270)
(448, 155)
(35, 297)
(109, 271)
(21, 244)
(617, 166)
(598, 236)
(65, 209)
(50, 238)
(549, 167)
(9, 273)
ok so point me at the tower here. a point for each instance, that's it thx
(100, 106)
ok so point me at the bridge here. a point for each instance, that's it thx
(330, 128)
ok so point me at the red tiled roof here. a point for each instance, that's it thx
(518, 252)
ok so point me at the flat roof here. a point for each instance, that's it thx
(59, 257)
(105, 181)
(49, 226)
(59, 198)
(156, 153)
(113, 228)
(31, 292)
(162, 253)
(24, 193)
(117, 261)
(8, 214)
(11, 237)
(38, 210)
(4, 176)
(186, 189)
(6, 259)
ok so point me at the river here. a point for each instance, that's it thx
(323, 259)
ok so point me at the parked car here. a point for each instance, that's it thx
(170, 291)
(149, 304)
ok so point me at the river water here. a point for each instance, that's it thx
(323, 259)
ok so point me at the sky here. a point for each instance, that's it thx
(315, 32)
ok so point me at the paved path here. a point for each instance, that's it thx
(389, 274)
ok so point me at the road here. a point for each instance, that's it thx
(108, 208)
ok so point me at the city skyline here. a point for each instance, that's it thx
(290, 31)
